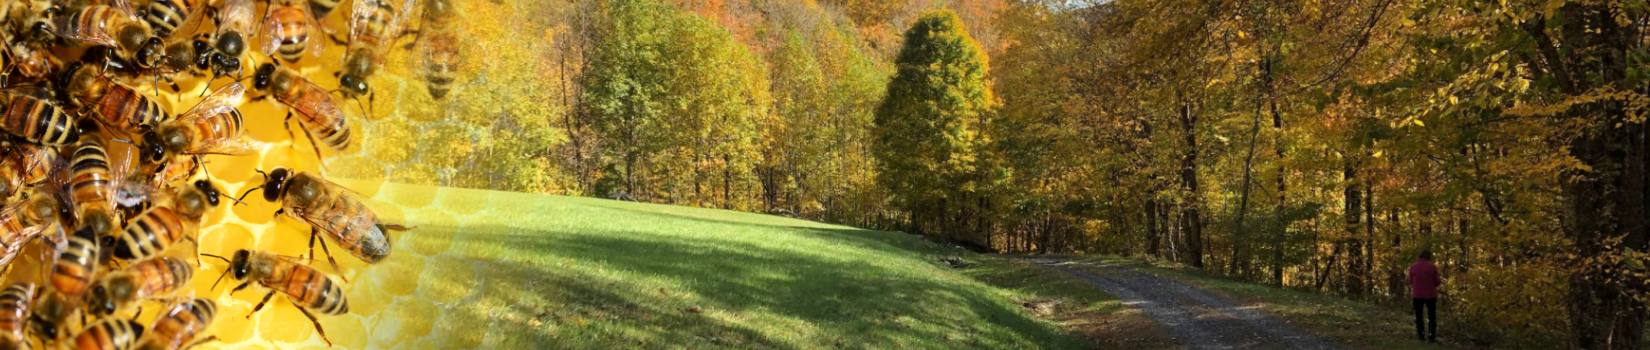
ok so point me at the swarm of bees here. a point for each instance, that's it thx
(110, 185)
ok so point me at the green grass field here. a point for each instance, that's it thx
(580, 273)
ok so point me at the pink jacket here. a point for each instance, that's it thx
(1423, 280)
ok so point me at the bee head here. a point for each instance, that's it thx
(241, 264)
(171, 138)
(107, 294)
(152, 149)
(40, 210)
(355, 85)
(261, 79)
(275, 187)
(203, 58)
(151, 53)
(209, 190)
(223, 64)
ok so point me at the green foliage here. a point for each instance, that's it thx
(931, 129)
(677, 102)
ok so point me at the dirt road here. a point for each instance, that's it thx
(1195, 318)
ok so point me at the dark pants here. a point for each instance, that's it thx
(1430, 322)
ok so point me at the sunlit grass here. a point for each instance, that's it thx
(579, 273)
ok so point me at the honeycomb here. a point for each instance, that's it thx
(411, 154)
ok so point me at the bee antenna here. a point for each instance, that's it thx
(243, 195)
(221, 275)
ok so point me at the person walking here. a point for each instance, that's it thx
(1423, 290)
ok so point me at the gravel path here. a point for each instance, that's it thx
(1195, 318)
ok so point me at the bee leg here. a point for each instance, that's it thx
(287, 124)
(198, 342)
(338, 41)
(139, 312)
(312, 233)
(317, 323)
(240, 287)
(261, 303)
(317, 146)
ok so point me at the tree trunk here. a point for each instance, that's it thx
(1193, 220)
(1152, 234)
(1354, 214)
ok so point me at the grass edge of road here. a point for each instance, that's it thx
(1075, 306)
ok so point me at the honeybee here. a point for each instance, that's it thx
(14, 315)
(119, 108)
(166, 16)
(317, 112)
(30, 34)
(288, 28)
(91, 187)
(438, 44)
(25, 165)
(320, 9)
(150, 278)
(373, 26)
(235, 25)
(340, 213)
(108, 334)
(31, 116)
(176, 329)
(308, 289)
(71, 277)
(157, 228)
(22, 222)
(214, 126)
(113, 27)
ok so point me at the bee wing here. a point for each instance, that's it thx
(228, 147)
(235, 15)
(316, 27)
(364, 219)
(219, 102)
(313, 102)
(64, 26)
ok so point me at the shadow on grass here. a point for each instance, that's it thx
(618, 288)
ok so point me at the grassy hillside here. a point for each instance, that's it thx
(579, 273)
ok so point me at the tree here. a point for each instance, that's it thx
(931, 128)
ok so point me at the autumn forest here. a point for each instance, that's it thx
(1309, 144)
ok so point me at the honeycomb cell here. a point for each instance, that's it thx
(472, 177)
(447, 279)
(461, 327)
(391, 150)
(355, 167)
(232, 325)
(225, 238)
(474, 247)
(297, 155)
(346, 331)
(367, 300)
(426, 344)
(289, 237)
(416, 174)
(445, 146)
(395, 274)
(407, 319)
(463, 201)
(256, 211)
(225, 168)
(280, 321)
(429, 238)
